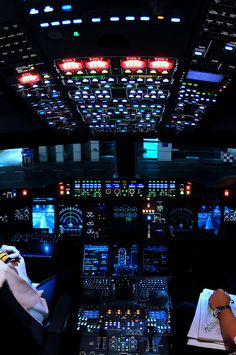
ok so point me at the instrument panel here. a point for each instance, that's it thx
(124, 228)
(96, 210)
(125, 305)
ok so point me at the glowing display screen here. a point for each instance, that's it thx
(90, 313)
(209, 218)
(125, 260)
(43, 215)
(95, 260)
(70, 220)
(205, 76)
(155, 260)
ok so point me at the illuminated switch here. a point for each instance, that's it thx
(138, 312)
(128, 312)
(109, 312)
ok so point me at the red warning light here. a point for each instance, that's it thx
(70, 65)
(61, 188)
(29, 78)
(97, 64)
(133, 63)
(24, 192)
(161, 64)
(188, 188)
(226, 193)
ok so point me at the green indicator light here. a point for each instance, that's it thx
(76, 34)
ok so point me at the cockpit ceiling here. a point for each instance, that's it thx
(94, 70)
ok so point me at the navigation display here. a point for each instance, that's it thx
(181, 220)
(70, 220)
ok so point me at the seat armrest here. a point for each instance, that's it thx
(57, 327)
(60, 315)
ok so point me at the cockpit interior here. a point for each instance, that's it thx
(117, 163)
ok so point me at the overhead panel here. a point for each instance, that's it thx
(150, 69)
(119, 95)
